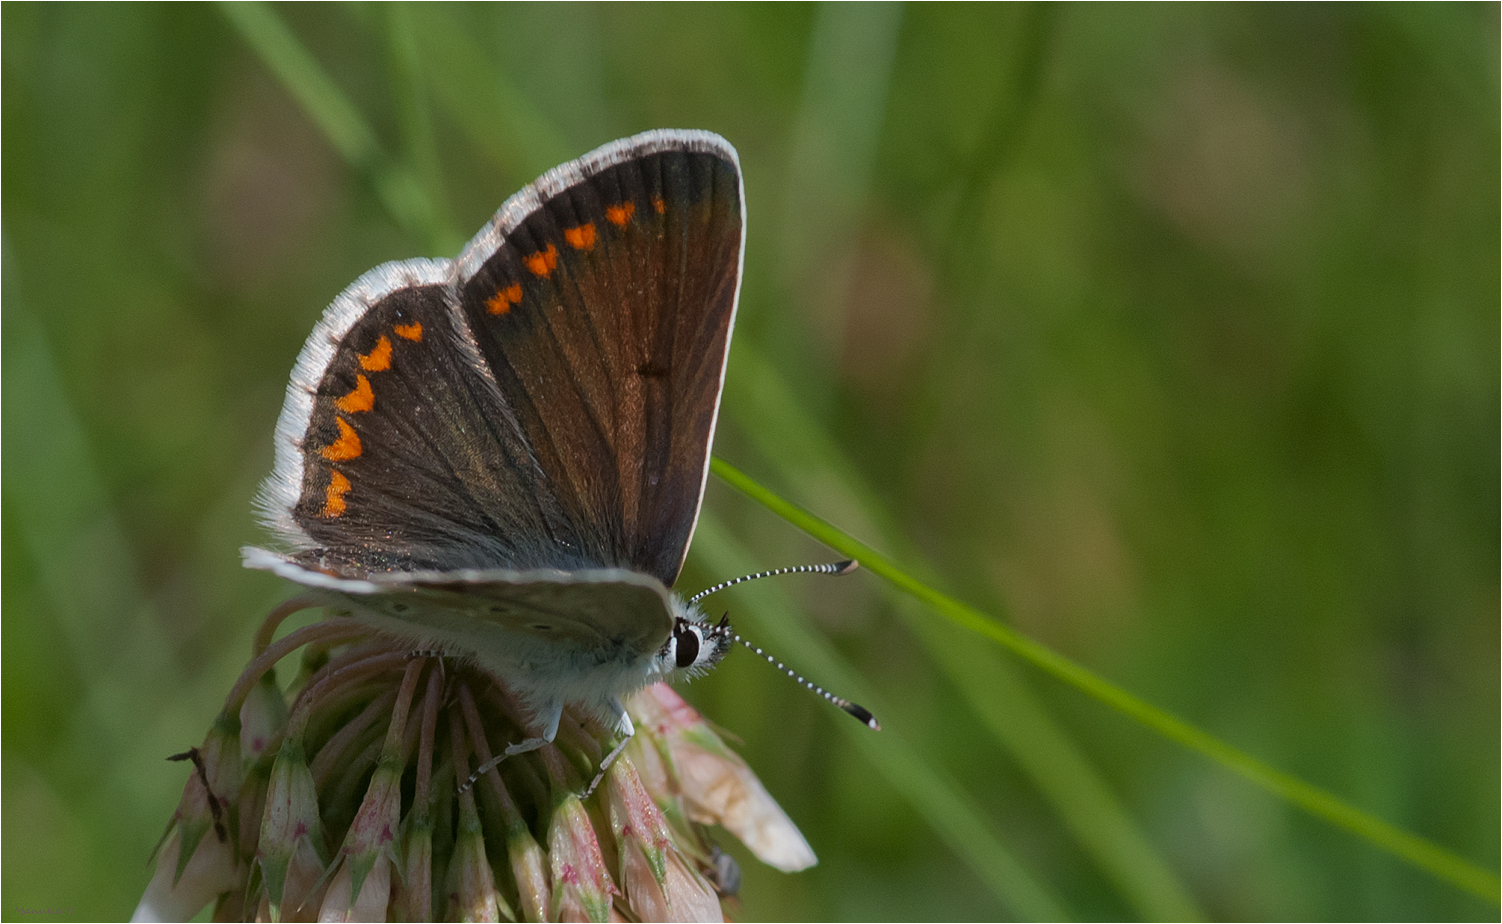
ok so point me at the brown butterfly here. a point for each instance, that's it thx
(502, 456)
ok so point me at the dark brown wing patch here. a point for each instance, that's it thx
(604, 317)
(411, 460)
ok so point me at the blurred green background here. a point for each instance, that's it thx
(1167, 334)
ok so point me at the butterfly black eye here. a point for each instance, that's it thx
(688, 645)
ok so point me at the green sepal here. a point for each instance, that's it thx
(657, 861)
(360, 867)
(188, 843)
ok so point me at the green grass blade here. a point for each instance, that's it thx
(495, 116)
(398, 188)
(414, 117)
(1416, 850)
(1011, 712)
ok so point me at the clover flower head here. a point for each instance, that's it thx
(349, 794)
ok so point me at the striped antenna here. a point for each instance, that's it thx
(860, 712)
(836, 568)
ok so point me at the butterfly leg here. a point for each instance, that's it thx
(623, 727)
(550, 730)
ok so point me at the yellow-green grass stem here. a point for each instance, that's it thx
(1419, 851)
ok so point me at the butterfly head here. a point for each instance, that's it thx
(696, 645)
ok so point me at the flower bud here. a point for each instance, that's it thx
(582, 888)
(197, 861)
(472, 892)
(263, 716)
(717, 785)
(361, 887)
(659, 884)
(291, 849)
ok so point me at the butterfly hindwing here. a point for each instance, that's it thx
(592, 613)
(554, 633)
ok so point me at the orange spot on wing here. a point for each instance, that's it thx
(411, 331)
(618, 215)
(361, 399)
(333, 498)
(378, 359)
(582, 237)
(346, 447)
(542, 262)
(658, 205)
(503, 299)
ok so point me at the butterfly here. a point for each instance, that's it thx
(502, 456)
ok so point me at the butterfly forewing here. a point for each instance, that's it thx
(604, 316)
